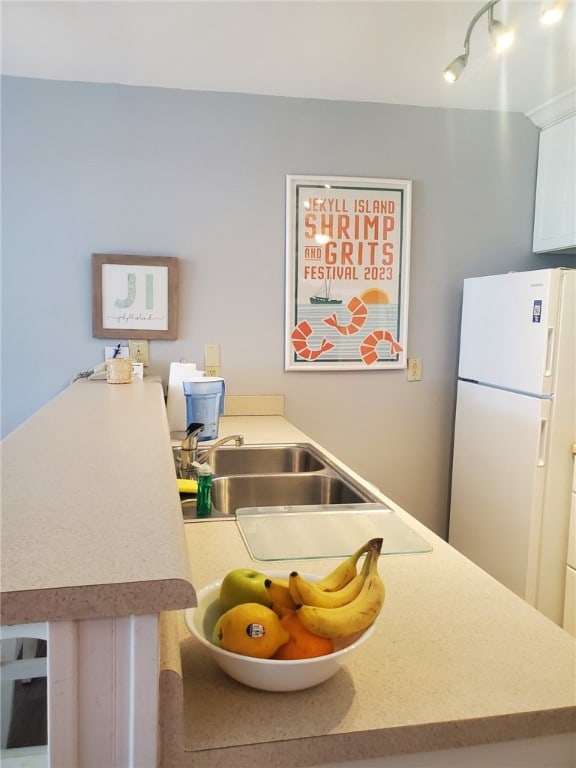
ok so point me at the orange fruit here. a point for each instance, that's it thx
(302, 644)
(250, 629)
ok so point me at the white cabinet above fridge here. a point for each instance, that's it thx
(555, 206)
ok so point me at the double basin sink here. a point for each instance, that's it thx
(273, 475)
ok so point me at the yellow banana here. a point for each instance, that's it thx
(307, 593)
(344, 571)
(353, 617)
(282, 602)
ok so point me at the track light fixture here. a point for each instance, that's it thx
(500, 35)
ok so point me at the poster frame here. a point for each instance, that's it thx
(308, 340)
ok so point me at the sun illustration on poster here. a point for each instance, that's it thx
(375, 296)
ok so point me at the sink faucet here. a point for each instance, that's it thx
(205, 454)
(190, 452)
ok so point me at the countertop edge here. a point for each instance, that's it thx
(171, 694)
(95, 601)
(388, 742)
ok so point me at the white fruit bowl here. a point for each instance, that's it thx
(266, 674)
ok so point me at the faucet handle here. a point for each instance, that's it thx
(189, 447)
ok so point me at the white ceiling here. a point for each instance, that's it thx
(379, 51)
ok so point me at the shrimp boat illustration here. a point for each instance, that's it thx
(323, 296)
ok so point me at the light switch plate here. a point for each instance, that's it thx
(211, 355)
(139, 351)
(212, 359)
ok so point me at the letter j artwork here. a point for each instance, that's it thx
(130, 297)
(133, 294)
(347, 272)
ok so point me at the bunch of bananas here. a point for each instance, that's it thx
(344, 602)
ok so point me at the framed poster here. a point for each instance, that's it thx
(134, 297)
(347, 270)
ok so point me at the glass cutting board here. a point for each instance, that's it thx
(311, 532)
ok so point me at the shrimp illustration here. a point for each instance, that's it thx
(359, 312)
(368, 346)
(300, 336)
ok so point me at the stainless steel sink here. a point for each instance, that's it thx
(275, 475)
(235, 492)
(263, 459)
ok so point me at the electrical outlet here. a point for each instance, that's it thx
(212, 370)
(139, 351)
(414, 369)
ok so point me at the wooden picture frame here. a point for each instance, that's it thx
(134, 297)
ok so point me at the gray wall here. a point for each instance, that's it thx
(201, 176)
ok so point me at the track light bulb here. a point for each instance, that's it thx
(551, 13)
(501, 35)
(455, 68)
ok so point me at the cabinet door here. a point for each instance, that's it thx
(555, 207)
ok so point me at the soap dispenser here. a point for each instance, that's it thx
(204, 493)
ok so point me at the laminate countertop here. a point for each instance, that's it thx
(92, 527)
(91, 519)
(456, 660)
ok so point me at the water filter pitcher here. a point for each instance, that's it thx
(205, 404)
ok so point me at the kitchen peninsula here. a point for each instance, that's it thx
(457, 663)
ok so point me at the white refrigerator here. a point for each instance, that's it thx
(514, 431)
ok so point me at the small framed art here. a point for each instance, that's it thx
(134, 297)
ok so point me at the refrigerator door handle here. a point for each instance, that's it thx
(550, 338)
(543, 442)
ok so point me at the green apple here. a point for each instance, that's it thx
(243, 585)
(216, 634)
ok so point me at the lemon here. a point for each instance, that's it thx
(250, 629)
